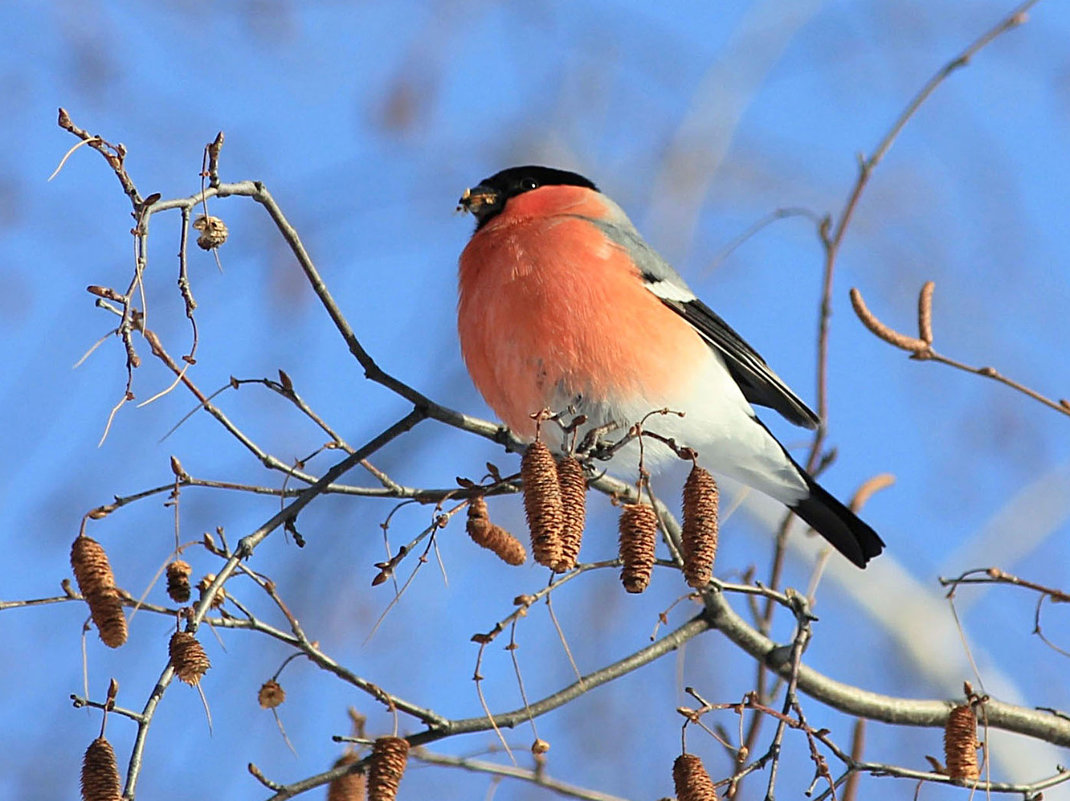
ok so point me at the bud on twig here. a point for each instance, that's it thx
(925, 312)
(177, 469)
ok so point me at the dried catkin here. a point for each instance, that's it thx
(692, 781)
(385, 767)
(178, 573)
(349, 787)
(100, 772)
(213, 232)
(638, 538)
(188, 657)
(97, 585)
(542, 503)
(202, 588)
(960, 743)
(699, 532)
(573, 484)
(494, 538)
(271, 694)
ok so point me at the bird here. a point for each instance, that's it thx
(563, 306)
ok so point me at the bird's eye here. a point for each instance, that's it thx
(528, 184)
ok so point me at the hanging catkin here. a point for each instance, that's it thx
(960, 743)
(188, 657)
(494, 538)
(100, 772)
(692, 781)
(178, 587)
(542, 503)
(699, 531)
(97, 585)
(638, 538)
(349, 787)
(573, 484)
(386, 767)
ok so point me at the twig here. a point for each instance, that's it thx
(509, 771)
(922, 349)
(245, 548)
(802, 637)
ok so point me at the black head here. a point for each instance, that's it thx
(488, 198)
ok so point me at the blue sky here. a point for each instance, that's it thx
(367, 121)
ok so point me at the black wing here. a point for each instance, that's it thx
(760, 385)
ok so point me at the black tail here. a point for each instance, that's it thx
(838, 524)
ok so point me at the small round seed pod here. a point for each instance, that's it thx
(638, 538)
(494, 538)
(542, 503)
(100, 772)
(960, 743)
(271, 694)
(699, 530)
(188, 657)
(178, 587)
(386, 767)
(96, 582)
(692, 781)
(573, 485)
(349, 787)
(213, 232)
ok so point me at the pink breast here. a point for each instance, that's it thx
(549, 308)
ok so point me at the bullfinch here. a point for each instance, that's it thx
(563, 306)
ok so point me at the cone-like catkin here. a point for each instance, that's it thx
(960, 743)
(97, 585)
(202, 588)
(271, 694)
(699, 532)
(387, 764)
(692, 781)
(573, 485)
(188, 657)
(178, 573)
(638, 538)
(494, 538)
(100, 772)
(542, 503)
(349, 787)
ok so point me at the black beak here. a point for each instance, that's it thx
(481, 201)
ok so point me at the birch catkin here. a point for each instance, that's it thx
(542, 503)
